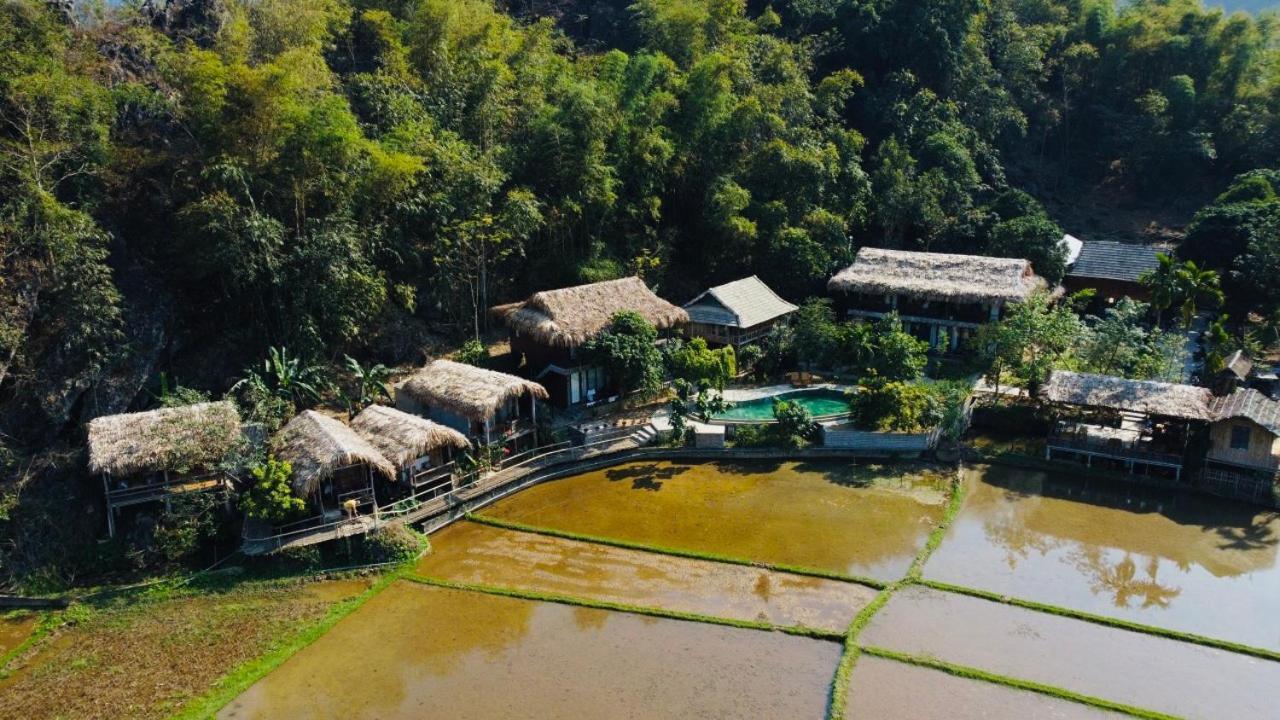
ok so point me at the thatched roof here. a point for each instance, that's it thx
(316, 445)
(466, 390)
(742, 303)
(1249, 404)
(1187, 402)
(165, 439)
(571, 316)
(937, 276)
(401, 437)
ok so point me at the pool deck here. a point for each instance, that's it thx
(737, 395)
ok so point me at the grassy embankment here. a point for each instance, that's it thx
(181, 647)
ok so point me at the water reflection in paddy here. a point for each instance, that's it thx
(1147, 671)
(1181, 561)
(857, 519)
(423, 652)
(881, 688)
(472, 553)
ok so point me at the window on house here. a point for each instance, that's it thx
(1240, 437)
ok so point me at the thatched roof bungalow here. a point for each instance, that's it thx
(1146, 397)
(329, 459)
(570, 316)
(940, 277)
(549, 327)
(1157, 423)
(405, 439)
(163, 440)
(736, 313)
(150, 456)
(1129, 424)
(940, 297)
(470, 399)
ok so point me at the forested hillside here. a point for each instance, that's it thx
(185, 183)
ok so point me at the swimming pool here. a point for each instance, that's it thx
(820, 402)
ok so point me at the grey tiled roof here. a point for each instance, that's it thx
(1239, 365)
(742, 303)
(1110, 260)
(1249, 404)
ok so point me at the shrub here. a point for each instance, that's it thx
(473, 352)
(389, 543)
(750, 436)
(695, 362)
(626, 351)
(793, 424)
(897, 407)
(895, 353)
(306, 558)
(271, 498)
(748, 357)
(189, 522)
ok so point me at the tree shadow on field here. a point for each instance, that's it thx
(648, 476)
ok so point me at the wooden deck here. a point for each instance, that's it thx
(260, 540)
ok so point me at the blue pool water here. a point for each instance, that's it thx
(821, 402)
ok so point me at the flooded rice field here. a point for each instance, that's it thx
(1137, 669)
(481, 554)
(416, 651)
(1185, 562)
(15, 630)
(882, 688)
(834, 516)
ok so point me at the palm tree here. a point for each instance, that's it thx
(1195, 287)
(285, 377)
(1162, 283)
(369, 384)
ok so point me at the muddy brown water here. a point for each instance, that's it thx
(424, 652)
(1180, 561)
(481, 554)
(15, 631)
(1143, 670)
(880, 688)
(856, 519)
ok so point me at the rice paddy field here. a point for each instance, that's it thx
(776, 590)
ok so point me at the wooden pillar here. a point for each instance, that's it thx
(111, 511)
(533, 417)
(373, 492)
(168, 507)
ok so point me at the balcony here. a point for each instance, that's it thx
(1127, 444)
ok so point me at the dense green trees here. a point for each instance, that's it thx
(183, 190)
(627, 353)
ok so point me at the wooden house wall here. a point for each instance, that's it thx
(1264, 448)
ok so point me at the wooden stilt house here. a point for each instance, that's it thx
(485, 405)
(941, 298)
(421, 450)
(550, 327)
(736, 313)
(333, 465)
(153, 456)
